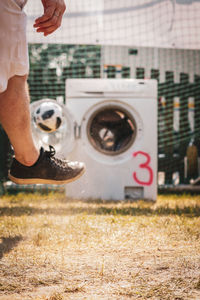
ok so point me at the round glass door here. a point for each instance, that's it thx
(111, 130)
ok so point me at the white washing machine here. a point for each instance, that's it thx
(114, 132)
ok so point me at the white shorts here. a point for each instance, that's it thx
(13, 43)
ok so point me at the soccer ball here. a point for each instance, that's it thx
(48, 116)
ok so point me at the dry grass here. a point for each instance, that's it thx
(51, 249)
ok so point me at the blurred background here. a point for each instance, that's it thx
(142, 39)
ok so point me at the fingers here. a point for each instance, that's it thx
(52, 17)
(49, 26)
(48, 14)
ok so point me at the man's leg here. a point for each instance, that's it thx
(29, 166)
(15, 119)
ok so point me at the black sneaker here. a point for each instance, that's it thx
(46, 170)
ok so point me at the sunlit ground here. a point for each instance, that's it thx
(54, 249)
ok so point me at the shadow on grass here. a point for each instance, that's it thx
(189, 211)
(8, 243)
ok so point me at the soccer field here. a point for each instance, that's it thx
(51, 249)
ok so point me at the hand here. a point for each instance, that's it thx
(52, 17)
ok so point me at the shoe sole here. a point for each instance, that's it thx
(43, 181)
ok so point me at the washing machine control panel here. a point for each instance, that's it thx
(98, 88)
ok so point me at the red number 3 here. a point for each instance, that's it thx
(144, 165)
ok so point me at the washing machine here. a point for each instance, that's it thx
(113, 129)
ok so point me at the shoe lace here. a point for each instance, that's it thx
(52, 151)
(51, 155)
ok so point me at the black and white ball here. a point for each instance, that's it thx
(48, 116)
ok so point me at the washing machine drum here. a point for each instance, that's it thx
(111, 130)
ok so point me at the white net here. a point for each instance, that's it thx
(147, 23)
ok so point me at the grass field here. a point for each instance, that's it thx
(53, 249)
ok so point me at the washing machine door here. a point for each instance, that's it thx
(63, 138)
(110, 129)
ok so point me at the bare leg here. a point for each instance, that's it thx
(15, 119)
